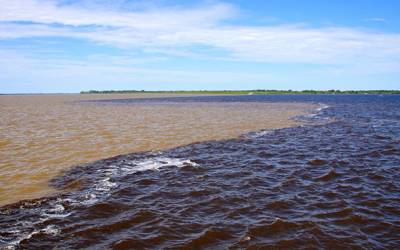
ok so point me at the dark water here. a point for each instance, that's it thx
(333, 183)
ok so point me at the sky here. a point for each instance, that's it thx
(67, 46)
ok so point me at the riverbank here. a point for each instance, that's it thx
(247, 92)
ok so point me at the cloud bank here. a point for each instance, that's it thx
(206, 25)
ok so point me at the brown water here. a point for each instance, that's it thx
(41, 135)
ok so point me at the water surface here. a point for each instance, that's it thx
(331, 183)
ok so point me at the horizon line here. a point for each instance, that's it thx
(127, 91)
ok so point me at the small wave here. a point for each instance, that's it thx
(328, 176)
(158, 163)
(210, 237)
(17, 236)
(317, 162)
(322, 106)
(254, 135)
(318, 110)
(279, 205)
(36, 215)
(315, 117)
(278, 226)
(130, 167)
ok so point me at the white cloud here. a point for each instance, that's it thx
(177, 28)
(48, 12)
(377, 19)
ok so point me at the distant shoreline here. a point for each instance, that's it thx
(225, 92)
(245, 92)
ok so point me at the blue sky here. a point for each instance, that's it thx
(71, 45)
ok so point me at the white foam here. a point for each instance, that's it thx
(149, 164)
(160, 162)
(50, 230)
(258, 134)
(57, 215)
(58, 208)
(89, 199)
(311, 115)
(322, 106)
(103, 188)
(317, 111)
(105, 185)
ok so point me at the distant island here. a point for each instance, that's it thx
(245, 92)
